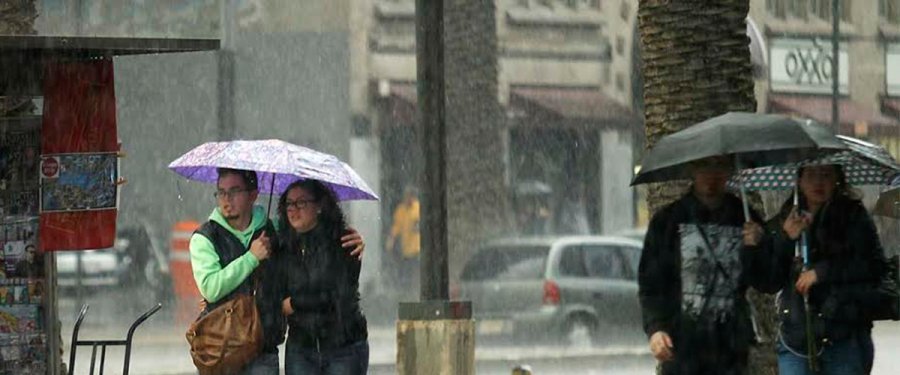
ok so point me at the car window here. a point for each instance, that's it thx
(506, 263)
(606, 262)
(528, 269)
(571, 263)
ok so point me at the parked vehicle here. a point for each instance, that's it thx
(575, 290)
(130, 262)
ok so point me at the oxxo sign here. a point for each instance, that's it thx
(804, 66)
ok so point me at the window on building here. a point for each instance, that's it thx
(846, 11)
(624, 10)
(822, 9)
(889, 10)
(776, 8)
(798, 8)
(620, 45)
(583, 4)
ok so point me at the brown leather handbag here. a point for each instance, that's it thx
(228, 338)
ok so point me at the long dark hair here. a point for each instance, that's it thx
(833, 219)
(331, 218)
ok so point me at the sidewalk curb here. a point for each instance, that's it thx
(486, 355)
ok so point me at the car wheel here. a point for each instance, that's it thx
(580, 332)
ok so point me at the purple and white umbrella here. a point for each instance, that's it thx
(277, 163)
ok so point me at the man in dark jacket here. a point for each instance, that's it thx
(699, 258)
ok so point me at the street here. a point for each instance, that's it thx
(160, 347)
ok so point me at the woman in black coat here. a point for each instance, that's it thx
(846, 259)
(327, 330)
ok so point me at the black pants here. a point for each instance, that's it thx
(718, 364)
(717, 350)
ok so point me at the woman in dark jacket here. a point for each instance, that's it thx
(327, 330)
(846, 258)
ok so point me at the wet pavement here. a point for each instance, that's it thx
(160, 347)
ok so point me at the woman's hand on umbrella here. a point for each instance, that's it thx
(355, 241)
(796, 223)
(286, 307)
(753, 234)
(806, 280)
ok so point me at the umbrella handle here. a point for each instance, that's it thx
(737, 162)
(271, 194)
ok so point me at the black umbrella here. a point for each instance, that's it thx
(752, 140)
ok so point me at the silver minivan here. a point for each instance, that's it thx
(576, 290)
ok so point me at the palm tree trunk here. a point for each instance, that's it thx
(696, 65)
(476, 192)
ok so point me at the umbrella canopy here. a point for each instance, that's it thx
(864, 163)
(277, 163)
(755, 139)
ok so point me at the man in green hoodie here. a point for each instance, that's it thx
(227, 249)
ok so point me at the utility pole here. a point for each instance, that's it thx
(432, 122)
(434, 335)
(835, 63)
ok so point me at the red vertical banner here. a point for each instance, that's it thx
(79, 117)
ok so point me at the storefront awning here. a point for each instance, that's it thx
(543, 105)
(588, 105)
(852, 115)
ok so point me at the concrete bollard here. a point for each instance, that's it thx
(436, 337)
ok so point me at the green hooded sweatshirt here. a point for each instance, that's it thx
(214, 281)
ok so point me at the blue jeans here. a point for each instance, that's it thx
(349, 360)
(845, 357)
(265, 364)
(868, 349)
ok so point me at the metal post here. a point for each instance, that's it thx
(835, 62)
(225, 83)
(432, 122)
(79, 280)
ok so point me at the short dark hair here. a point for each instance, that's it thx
(249, 177)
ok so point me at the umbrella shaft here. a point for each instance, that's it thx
(811, 351)
(739, 167)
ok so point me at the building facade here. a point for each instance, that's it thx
(567, 132)
(798, 36)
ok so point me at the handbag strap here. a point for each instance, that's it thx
(256, 281)
(712, 252)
